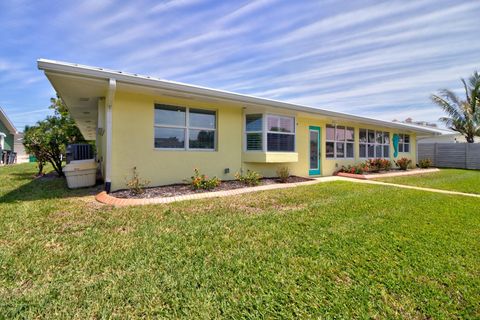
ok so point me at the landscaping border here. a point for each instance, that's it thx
(106, 198)
(387, 175)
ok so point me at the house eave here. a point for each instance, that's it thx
(6, 121)
(188, 89)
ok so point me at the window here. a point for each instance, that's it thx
(340, 142)
(184, 128)
(279, 132)
(254, 131)
(374, 144)
(404, 143)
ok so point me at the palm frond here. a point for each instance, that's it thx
(467, 94)
(475, 93)
(451, 110)
(474, 79)
(450, 96)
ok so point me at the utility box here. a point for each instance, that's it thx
(79, 151)
(81, 173)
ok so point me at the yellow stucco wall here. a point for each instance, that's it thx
(328, 165)
(133, 144)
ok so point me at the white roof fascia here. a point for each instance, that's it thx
(7, 122)
(95, 72)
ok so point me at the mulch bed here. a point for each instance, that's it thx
(183, 189)
(373, 175)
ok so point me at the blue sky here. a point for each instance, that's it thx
(372, 58)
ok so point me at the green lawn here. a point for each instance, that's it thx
(447, 179)
(334, 249)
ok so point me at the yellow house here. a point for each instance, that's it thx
(166, 129)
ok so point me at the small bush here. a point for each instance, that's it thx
(202, 182)
(376, 165)
(283, 174)
(356, 169)
(251, 178)
(136, 185)
(403, 163)
(425, 163)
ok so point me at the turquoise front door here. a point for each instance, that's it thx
(314, 152)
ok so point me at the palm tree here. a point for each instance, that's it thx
(463, 115)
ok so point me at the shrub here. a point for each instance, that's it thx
(376, 165)
(425, 163)
(136, 185)
(202, 182)
(251, 178)
(403, 163)
(386, 165)
(283, 174)
(356, 169)
(47, 140)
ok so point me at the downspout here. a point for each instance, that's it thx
(112, 87)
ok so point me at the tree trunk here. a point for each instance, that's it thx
(57, 166)
(40, 167)
(470, 139)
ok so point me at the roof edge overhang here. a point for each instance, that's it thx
(7, 122)
(146, 81)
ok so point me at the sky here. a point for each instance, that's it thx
(381, 59)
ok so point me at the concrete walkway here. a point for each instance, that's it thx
(409, 187)
(105, 198)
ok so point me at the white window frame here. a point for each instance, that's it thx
(375, 144)
(402, 138)
(187, 129)
(335, 141)
(265, 132)
(245, 132)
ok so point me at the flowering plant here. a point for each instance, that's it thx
(250, 178)
(376, 165)
(403, 163)
(200, 181)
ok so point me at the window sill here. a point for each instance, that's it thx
(269, 157)
(184, 150)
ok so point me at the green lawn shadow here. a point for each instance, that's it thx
(49, 186)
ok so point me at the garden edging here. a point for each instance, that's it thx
(106, 198)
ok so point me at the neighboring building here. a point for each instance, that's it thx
(418, 123)
(448, 137)
(443, 135)
(22, 155)
(7, 132)
(166, 129)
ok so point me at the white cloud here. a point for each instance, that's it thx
(369, 57)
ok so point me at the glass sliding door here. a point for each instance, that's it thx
(314, 150)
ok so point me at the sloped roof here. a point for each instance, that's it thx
(6, 121)
(89, 72)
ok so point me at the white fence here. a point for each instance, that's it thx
(451, 155)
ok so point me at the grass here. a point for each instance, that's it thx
(330, 250)
(446, 179)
